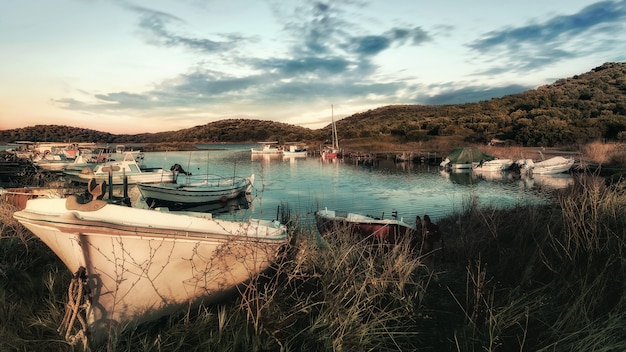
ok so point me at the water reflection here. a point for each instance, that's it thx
(265, 158)
(462, 177)
(558, 181)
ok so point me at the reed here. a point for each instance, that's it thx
(604, 153)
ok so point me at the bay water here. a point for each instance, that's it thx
(379, 188)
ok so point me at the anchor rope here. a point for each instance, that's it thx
(75, 308)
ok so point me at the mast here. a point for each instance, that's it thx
(334, 130)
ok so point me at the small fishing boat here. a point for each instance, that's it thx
(134, 265)
(59, 162)
(195, 191)
(465, 158)
(116, 171)
(494, 165)
(266, 148)
(387, 230)
(295, 151)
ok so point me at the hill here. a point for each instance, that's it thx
(572, 110)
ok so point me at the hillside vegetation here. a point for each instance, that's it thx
(572, 110)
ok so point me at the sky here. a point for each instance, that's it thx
(124, 66)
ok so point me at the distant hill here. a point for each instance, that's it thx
(572, 110)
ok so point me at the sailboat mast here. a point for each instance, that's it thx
(334, 131)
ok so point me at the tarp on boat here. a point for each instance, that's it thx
(466, 155)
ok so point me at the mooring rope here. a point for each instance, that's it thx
(75, 309)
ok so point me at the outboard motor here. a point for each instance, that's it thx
(179, 169)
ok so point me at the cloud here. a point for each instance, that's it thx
(370, 45)
(323, 66)
(560, 27)
(155, 27)
(558, 38)
(327, 56)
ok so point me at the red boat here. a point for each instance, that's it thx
(388, 230)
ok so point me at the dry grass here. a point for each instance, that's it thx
(605, 153)
(529, 278)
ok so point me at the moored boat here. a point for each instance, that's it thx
(266, 148)
(387, 230)
(195, 191)
(551, 166)
(465, 158)
(494, 165)
(295, 151)
(116, 171)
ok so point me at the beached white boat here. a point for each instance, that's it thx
(554, 165)
(195, 191)
(266, 148)
(135, 265)
(126, 168)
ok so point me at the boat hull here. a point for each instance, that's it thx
(552, 166)
(495, 165)
(183, 196)
(139, 268)
(386, 230)
(296, 154)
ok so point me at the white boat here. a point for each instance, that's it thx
(266, 148)
(295, 151)
(135, 265)
(126, 168)
(60, 162)
(195, 191)
(554, 165)
(494, 165)
(52, 162)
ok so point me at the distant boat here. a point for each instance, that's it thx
(135, 265)
(118, 170)
(494, 165)
(554, 165)
(266, 148)
(465, 158)
(59, 162)
(295, 151)
(332, 152)
(195, 191)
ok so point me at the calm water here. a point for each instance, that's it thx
(306, 184)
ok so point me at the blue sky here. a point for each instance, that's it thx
(149, 66)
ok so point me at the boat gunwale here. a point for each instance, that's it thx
(87, 227)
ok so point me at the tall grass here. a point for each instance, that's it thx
(529, 278)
